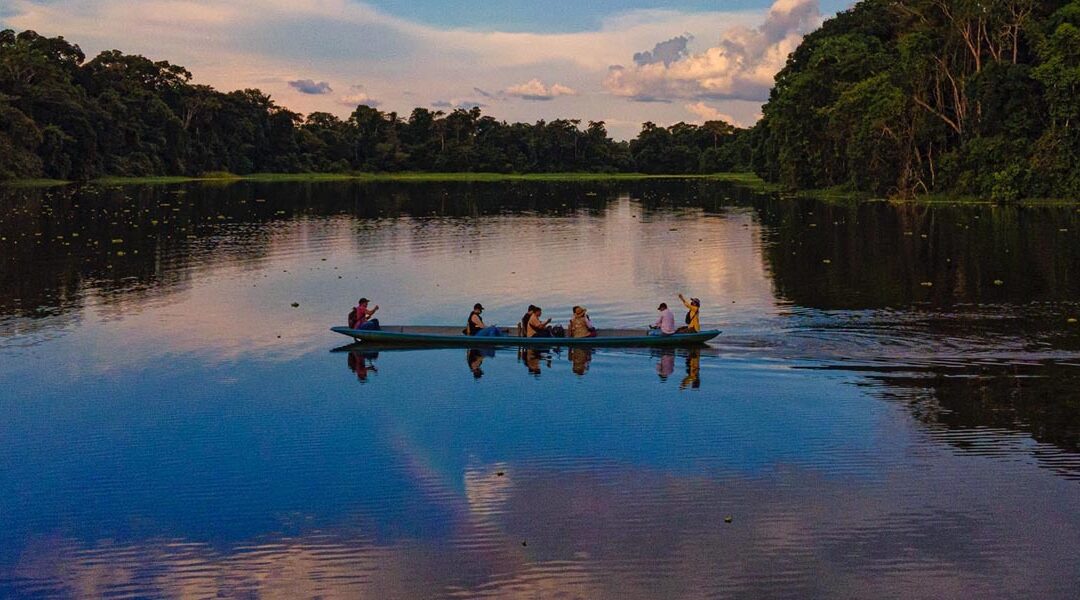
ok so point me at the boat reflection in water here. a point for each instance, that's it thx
(693, 370)
(475, 358)
(362, 363)
(580, 359)
(533, 358)
(665, 366)
(538, 360)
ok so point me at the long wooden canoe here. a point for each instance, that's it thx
(452, 336)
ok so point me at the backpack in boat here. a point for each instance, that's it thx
(352, 318)
(558, 331)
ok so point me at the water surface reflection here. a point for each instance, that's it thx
(892, 409)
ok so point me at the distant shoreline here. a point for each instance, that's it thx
(748, 179)
(836, 195)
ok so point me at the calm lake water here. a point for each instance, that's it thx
(893, 409)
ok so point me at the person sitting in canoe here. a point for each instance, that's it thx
(360, 317)
(475, 324)
(523, 323)
(534, 327)
(693, 307)
(665, 324)
(580, 325)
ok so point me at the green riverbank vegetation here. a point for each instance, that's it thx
(891, 98)
(118, 115)
(944, 97)
(740, 178)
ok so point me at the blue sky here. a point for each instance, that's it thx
(621, 62)
(543, 16)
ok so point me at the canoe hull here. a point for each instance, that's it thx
(432, 336)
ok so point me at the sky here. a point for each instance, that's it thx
(622, 62)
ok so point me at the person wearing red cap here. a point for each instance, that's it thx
(362, 315)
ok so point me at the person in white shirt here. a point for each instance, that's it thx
(665, 325)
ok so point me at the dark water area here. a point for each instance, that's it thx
(892, 410)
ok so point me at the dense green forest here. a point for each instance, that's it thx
(899, 97)
(906, 97)
(117, 114)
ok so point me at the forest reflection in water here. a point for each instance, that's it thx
(892, 405)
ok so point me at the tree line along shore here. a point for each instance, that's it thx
(67, 118)
(891, 97)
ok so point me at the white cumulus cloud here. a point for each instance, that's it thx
(740, 66)
(357, 98)
(534, 89)
(704, 112)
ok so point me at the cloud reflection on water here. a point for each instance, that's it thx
(615, 532)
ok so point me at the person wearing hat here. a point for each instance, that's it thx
(665, 324)
(475, 325)
(580, 325)
(363, 314)
(693, 306)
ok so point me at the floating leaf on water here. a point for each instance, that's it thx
(728, 519)
(117, 241)
(1070, 320)
(998, 282)
(927, 284)
(295, 304)
(827, 261)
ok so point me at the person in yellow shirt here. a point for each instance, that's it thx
(693, 307)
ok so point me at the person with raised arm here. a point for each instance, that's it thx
(693, 322)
